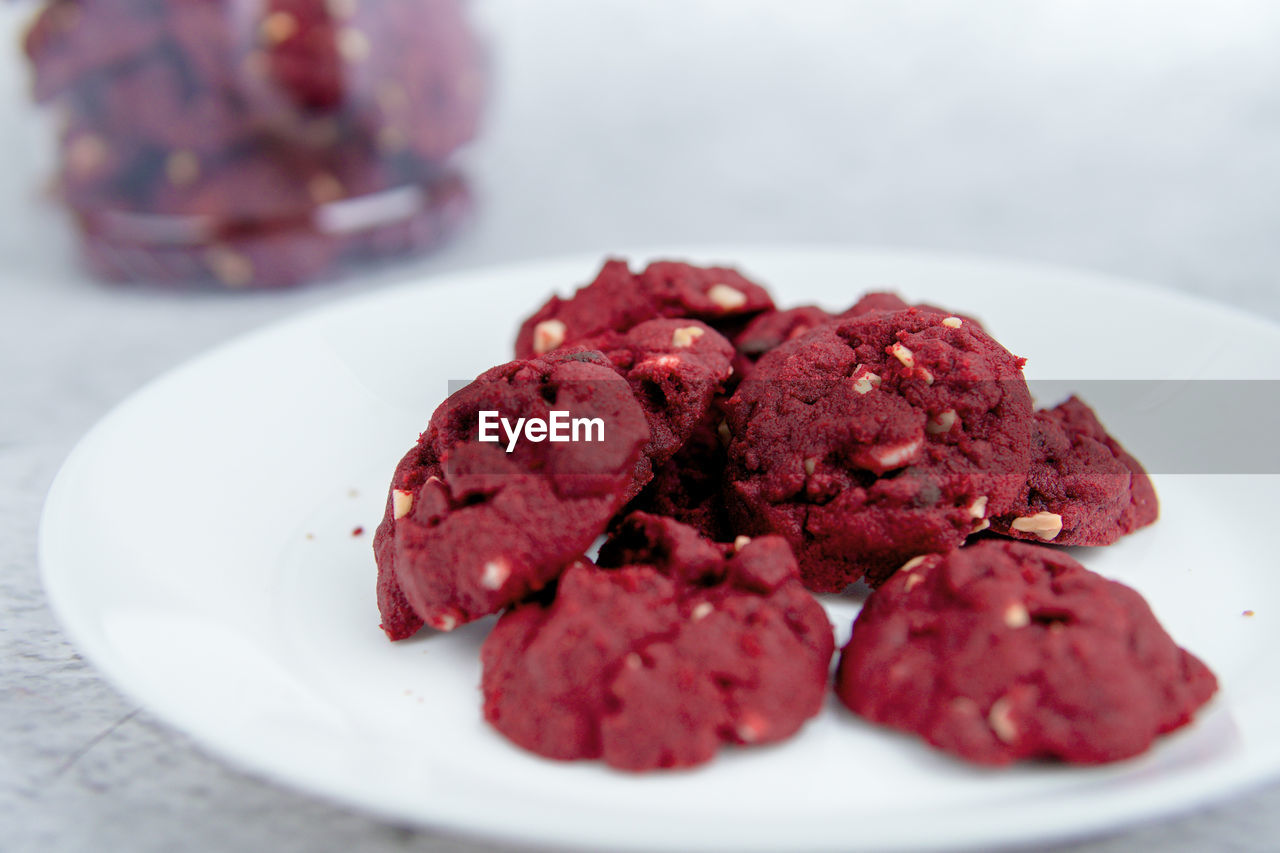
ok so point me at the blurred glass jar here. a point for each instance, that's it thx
(257, 143)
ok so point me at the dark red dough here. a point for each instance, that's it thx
(675, 368)
(1003, 651)
(773, 328)
(658, 661)
(767, 331)
(689, 486)
(861, 477)
(617, 300)
(481, 528)
(1080, 474)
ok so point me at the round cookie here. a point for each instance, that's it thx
(1084, 488)
(675, 368)
(677, 648)
(1004, 651)
(617, 300)
(872, 441)
(471, 527)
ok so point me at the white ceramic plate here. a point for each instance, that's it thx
(198, 546)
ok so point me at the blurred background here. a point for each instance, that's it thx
(1138, 138)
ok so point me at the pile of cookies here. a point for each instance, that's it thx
(746, 458)
(220, 140)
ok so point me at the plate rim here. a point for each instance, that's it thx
(240, 760)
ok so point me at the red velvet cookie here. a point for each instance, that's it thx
(618, 300)
(872, 441)
(1003, 651)
(469, 527)
(657, 661)
(1084, 488)
(675, 368)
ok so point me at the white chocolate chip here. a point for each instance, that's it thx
(953, 322)
(325, 188)
(750, 728)
(392, 139)
(229, 266)
(1000, 718)
(401, 503)
(942, 423)
(182, 168)
(981, 526)
(904, 355)
(864, 381)
(548, 335)
(278, 27)
(725, 297)
(702, 611)
(725, 435)
(913, 562)
(741, 542)
(495, 574)
(978, 509)
(633, 660)
(434, 479)
(810, 465)
(353, 45)
(896, 455)
(923, 373)
(666, 362)
(1046, 525)
(685, 336)
(446, 621)
(914, 581)
(87, 155)
(1016, 615)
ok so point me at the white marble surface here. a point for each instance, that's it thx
(1136, 138)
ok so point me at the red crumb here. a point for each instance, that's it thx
(359, 531)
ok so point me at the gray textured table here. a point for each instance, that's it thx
(1137, 138)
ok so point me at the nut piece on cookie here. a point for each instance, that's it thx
(1005, 651)
(694, 645)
